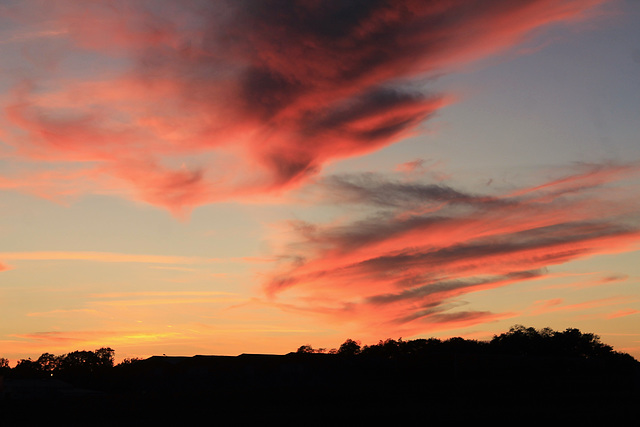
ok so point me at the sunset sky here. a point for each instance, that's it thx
(248, 176)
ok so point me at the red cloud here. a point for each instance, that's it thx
(228, 99)
(423, 246)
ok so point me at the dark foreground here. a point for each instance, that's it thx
(524, 376)
(318, 389)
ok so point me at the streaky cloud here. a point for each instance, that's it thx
(415, 249)
(214, 101)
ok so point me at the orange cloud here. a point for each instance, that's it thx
(131, 299)
(622, 313)
(124, 258)
(99, 257)
(98, 338)
(222, 100)
(62, 312)
(556, 305)
(419, 248)
(604, 281)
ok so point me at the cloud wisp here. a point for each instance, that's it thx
(175, 262)
(228, 99)
(405, 264)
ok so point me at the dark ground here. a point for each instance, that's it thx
(321, 389)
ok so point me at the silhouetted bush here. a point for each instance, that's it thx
(77, 366)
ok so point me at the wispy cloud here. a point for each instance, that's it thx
(95, 338)
(99, 257)
(230, 99)
(62, 312)
(167, 301)
(159, 261)
(149, 298)
(622, 313)
(557, 305)
(29, 36)
(162, 294)
(419, 248)
(582, 283)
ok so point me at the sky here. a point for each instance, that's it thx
(250, 176)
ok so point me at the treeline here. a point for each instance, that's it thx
(518, 341)
(74, 366)
(544, 350)
(522, 371)
(521, 357)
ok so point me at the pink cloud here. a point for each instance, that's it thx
(418, 249)
(622, 313)
(229, 99)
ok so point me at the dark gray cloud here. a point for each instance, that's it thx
(447, 286)
(378, 190)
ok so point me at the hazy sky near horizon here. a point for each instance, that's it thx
(220, 177)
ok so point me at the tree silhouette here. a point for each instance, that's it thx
(305, 349)
(129, 361)
(105, 356)
(569, 343)
(349, 348)
(386, 349)
(577, 344)
(27, 368)
(4, 366)
(49, 363)
(84, 364)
